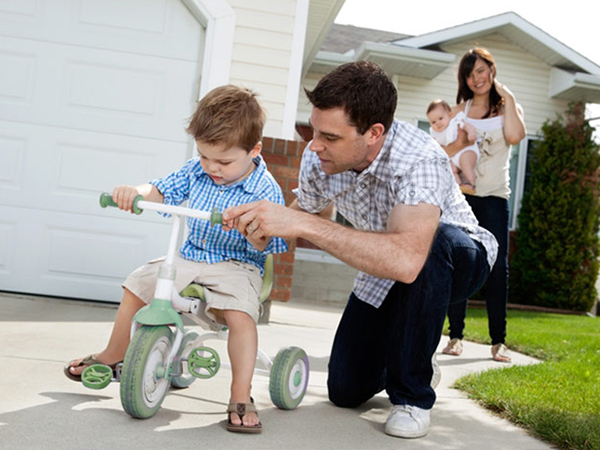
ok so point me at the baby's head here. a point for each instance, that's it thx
(227, 126)
(439, 114)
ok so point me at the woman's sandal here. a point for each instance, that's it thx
(453, 348)
(500, 353)
(89, 360)
(241, 409)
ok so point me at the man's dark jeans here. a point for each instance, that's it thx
(391, 347)
(492, 214)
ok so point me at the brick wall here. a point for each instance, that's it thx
(283, 160)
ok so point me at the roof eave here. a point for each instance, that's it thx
(395, 60)
(574, 86)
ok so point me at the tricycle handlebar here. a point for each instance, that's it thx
(139, 205)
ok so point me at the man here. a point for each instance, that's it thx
(415, 240)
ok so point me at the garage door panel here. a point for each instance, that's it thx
(74, 254)
(8, 246)
(68, 169)
(79, 168)
(126, 91)
(130, 95)
(21, 8)
(17, 77)
(92, 260)
(13, 151)
(19, 263)
(67, 255)
(150, 27)
(96, 90)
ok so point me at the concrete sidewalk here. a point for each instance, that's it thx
(41, 409)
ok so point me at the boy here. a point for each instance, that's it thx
(227, 127)
(444, 129)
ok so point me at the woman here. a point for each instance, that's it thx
(492, 109)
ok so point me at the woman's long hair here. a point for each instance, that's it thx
(467, 63)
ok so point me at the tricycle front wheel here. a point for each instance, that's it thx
(144, 380)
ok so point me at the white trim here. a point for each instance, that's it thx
(463, 31)
(395, 59)
(520, 181)
(562, 81)
(219, 19)
(288, 126)
(315, 255)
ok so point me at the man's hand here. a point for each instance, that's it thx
(263, 219)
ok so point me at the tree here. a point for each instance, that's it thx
(557, 246)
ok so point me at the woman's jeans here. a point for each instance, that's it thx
(391, 347)
(492, 214)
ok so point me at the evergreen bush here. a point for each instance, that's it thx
(557, 246)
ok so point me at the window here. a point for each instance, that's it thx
(423, 125)
(520, 176)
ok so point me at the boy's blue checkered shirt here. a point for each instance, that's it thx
(213, 244)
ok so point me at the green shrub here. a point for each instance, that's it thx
(556, 260)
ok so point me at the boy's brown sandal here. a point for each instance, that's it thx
(242, 409)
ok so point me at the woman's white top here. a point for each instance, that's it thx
(492, 169)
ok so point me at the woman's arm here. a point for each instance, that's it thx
(514, 125)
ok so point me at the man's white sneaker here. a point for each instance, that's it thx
(407, 421)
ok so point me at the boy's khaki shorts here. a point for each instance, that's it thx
(228, 285)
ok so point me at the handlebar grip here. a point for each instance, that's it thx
(216, 217)
(107, 200)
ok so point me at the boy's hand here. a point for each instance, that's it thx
(124, 196)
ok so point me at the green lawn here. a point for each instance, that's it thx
(557, 400)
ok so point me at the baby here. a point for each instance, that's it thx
(444, 129)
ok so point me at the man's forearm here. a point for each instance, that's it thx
(384, 255)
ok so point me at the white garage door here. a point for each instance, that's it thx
(93, 93)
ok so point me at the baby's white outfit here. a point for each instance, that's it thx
(449, 135)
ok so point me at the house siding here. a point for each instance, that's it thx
(309, 82)
(262, 53)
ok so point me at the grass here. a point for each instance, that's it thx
(557, 400)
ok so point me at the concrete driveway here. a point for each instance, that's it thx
(41, 409)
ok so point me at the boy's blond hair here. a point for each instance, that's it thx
(228, 115)
(439, 102)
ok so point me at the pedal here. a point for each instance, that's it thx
(97, 376)
(203, 362)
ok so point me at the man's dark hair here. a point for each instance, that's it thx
(362, 89)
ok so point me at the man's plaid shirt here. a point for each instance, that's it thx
(411, 168)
